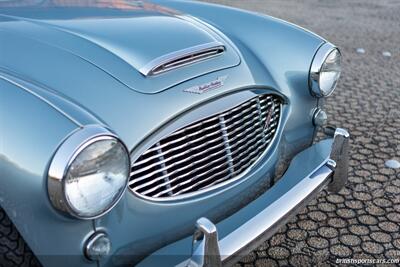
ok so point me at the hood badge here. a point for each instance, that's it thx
(203, 88)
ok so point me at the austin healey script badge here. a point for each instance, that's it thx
(200, 89)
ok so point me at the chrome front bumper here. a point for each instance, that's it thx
(282, 201)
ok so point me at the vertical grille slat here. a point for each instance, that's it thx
(208, 152)
(164, 168)
(228, 151)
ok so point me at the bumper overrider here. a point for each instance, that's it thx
(323, 165)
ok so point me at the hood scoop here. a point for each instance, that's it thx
(183, 58)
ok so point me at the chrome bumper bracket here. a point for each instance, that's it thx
(340, 155)
(205, 247)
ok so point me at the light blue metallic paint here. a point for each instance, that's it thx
(88, 72)
(30, 131)
(122, 45)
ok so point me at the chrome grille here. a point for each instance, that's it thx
(208, 152)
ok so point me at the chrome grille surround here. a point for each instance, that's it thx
(206, 153)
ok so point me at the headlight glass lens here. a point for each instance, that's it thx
(97, 177)
(330, 73)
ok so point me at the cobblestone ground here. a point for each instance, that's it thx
(363, 220)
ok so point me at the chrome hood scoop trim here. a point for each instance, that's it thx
(183, 58)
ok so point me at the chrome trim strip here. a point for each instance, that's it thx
(228, 152)
(163, 166)
(151, 67)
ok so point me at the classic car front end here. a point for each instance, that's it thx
(159, 134)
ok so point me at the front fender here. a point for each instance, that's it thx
(30, 132)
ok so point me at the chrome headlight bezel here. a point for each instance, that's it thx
(315, 71)
(63, 158)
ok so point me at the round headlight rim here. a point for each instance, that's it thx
(62, 160)
(317, 63)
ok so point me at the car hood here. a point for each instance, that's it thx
(124, 39)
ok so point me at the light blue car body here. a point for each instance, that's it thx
(62, 68)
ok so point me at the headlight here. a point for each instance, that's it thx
(88, 173)
(325, 71)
